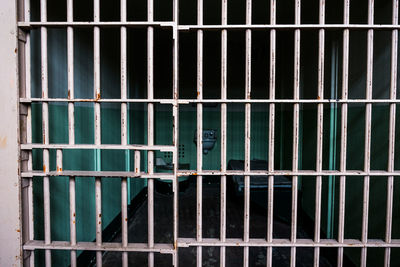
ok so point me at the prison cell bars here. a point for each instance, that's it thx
(392, 132)
(364, 243)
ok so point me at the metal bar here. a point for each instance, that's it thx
(85, 24)
(343, 138)
(45, 131)
(188, 101)
(289, 27)
(296, 127)
(280, 242)
(150, 133)
(207, 242)
(142, 24)
(271, 135)
(320, 132)
(246, 213)
(70, 59)
(71, 127)
(124, 134)
(92, 246)
(392, 132)
(224, 72)
(367, 146)
(124, 219)
(199, 132)
(208, 172)
(27, 60)
(97, 126)
(98, 147)
(111, 174)
(291, 173)
(175, 130)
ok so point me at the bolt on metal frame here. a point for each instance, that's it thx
(246, 242)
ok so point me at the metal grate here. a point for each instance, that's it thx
(176, 150)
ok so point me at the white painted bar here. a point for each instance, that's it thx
(320, 132)
(97, 131)
(392, 132)
(271, 134)
(199, 132)
(150, 132)
(45, 132)
(246, 213)
(367, 146)
(296, 127)
(124, 133)
(224, 67)
(343, 138)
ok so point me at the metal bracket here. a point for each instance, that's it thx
(24, 182)
(21, 35)
(23, 109)
(27, 254)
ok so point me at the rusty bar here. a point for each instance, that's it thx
(45, 131)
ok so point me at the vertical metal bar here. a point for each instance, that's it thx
(124, 135)
(70, 59)
(124, 219)
(71, 126)
(199, 204)
(271, 137)
(224, 41)
(392, 132)
(45, 131)
(343, 138)
(97, 125)
(150, 132)
(246, 226)
(175, 111)
(29, 128)
(137, 161)
(367, 146)
(320, 132)
(296, 127)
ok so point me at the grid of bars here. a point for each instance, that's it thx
(246, 242)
